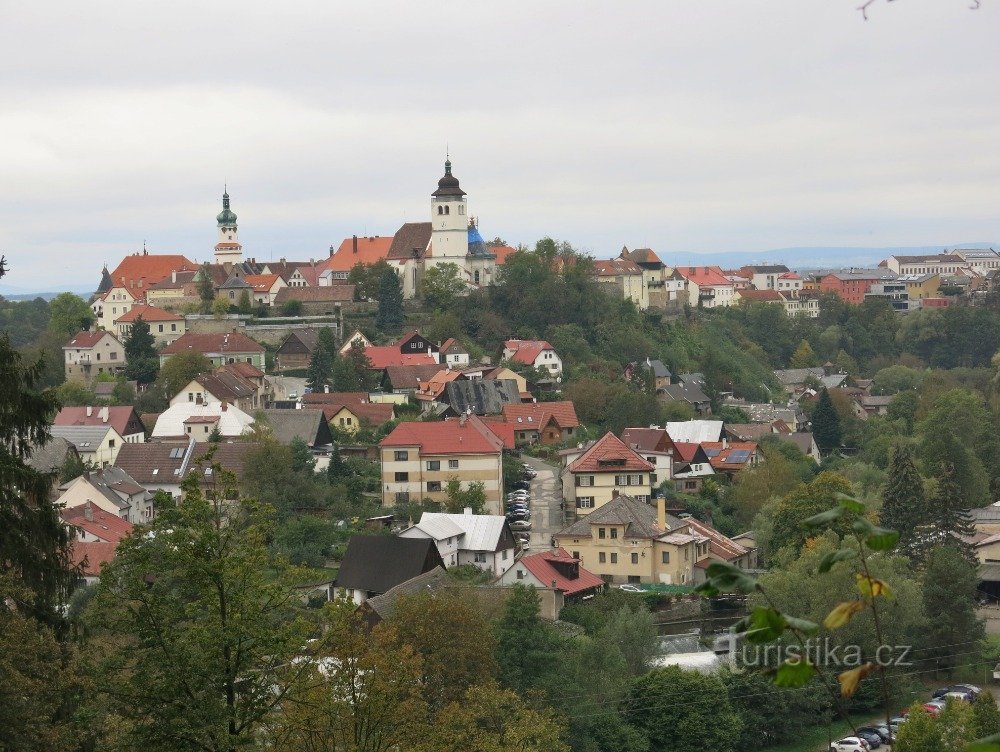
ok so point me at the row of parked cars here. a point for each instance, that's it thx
(875, 735)
(518, 505)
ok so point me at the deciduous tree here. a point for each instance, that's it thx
(441, 286)
(68, 314)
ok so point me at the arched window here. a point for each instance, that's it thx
(447, 210)
(440, 210)
(477, 277)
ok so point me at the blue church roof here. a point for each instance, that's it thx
(477, 246)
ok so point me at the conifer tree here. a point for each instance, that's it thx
(948, 519)
(320, 369)
(390, 316)
(903, 505)
(804, 356)
(141, 360)
(826, 422)
(950, 582)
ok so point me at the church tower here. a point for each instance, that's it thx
(228, 249)
(449, 222)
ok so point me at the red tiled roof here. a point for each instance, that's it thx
(231, 342)
(605, 451)
(140, 270)
(373, 413)
(789, 275)
(723, 547)
(722, 459)
(647, 439)
(389, 355)
(147, 313)
(261, 282)
(562, 412)
(644, 256)
(686, 451)
(246, 370)
(85, 340)
(502, 252)
(118, 417)
(550, 568)
(310, 273)
(526, 351)
(704, 275)
(452, 436)
(89, 556)
(501, 428)
(615, 267)
(370, 250)
(103, 525)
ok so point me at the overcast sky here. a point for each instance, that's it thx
(704, 126)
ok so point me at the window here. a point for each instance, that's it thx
(635, 558)
(402, 497)
(584, 502)
(576, 554)
(111, 443)
(173, 327)
(614, 558)
(601, 533)
(433, 485)
(453, 464)
(634, 579)
(433, 464)
(114, 356)
(461, 208)
(520, 574)
(585, 480)
(440, 210)
(161, 327)
(401, 456)
(480, 557)
(447, 210)
(686, 554)
(690, 485)
(504, 554)
(666, 557)
(601, 557)
(402, 477)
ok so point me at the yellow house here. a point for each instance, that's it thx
(608, 467)
(920, 286)
(419, 459)
(350, 417)
(114, 303)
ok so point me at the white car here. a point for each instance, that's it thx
(630, 588)
(850, 744)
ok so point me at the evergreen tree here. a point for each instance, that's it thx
(948, 521)
(141, 360)
(390, 315)
(985, 716)
(206, 289)
(804, 356)
(953, 629)
(245, 304)
(328, 341)
(826, 423)
(337, 471)
(903, 506)
(34, 545)
(320, 370)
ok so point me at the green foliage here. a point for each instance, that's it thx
(985, 716)
(954, 631)
(473, 497)
(302, 457)
(179, 371)
(123, 393)
(525, 644)
(705, 719)
(803, 357)
(826, 423)
(291, 308)
(367, 279)
(206, 289)
(220, 307)
(441, 286)
(141, 360)
(26, 321)
(68, 314)
(75, 394)
(820, 495)
(244, 304)
(319, 374)
(352, 371)
(920, 733)
(306, 540)
(896, 379)
(390, 315)
(903, 505)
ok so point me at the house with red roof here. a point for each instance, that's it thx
(165, 326)
(96, 535)
(708, 286)
(715, 546)
(265, 287)
(536, 353)
(111, 304)
(605, 469)
(691, 467)
(123, 418)
(366, 250)
(555, 569)
(542, 422)
(622, 278)
(89, 354)
(419, 458)
(729, 458)
(453, 354)
(221, 348)
(140, 270)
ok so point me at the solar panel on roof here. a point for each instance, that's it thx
(739, 455)
(712, 451)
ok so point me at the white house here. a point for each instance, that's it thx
(110, 489)
(97, 446)
(482, 540)
(198, 421)
(534, 352)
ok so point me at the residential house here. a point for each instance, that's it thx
(387, 356)
(790, 414)
(453, 354)
(136, 273)
(379, 608)
(921, 286)
(111, 305)
(730, 458)
(664, 287)
(112, 490)
(308, 425)
(755, 432)
(480, 540)
(623, 278)
(534, 353)
(719, 547)
(796, 380)
(124, 419)
(414, 342)
(555, 569)
(656, 447)
(50, 458)
(296, 350)
(316, 301)
(623, 541)
(602, 471)
(708, 287)
(234, 289)
(406, 379)
(192, 420)
(96, 534)
(365, 250)
(97, 445)
(89, 354)
(691, 467)
(163, 465)
(221, 348)
(499, 373)
(690, 394)
(765, 277)
(351, 411)
(374, 564)
(358, 338)
(418, 460)
(477, 397)
(264, 288)
(793, 304)
(851, 286)
(790, 284)
(893, 292)
(656, 369)
(163, 325)
(542, 422)
(931, 263)
(694, 431)
(221, 386)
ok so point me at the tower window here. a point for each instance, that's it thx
(461, 208)
(440, 210)
(447, 210)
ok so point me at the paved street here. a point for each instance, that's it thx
(546, 493)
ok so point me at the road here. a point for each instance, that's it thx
(546, 494)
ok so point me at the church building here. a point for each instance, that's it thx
(228, 249)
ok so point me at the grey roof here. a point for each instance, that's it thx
(377, 563)
(687, 392)
(306, 424)
(802, 439)
(111, 482)
(658, 368)
(695, 377)
(483, 532)
(986, 514)
(639, 519)
(51, 457)
(764, 412)
(794, 376)
(768, 268)
(834, 380)
(482, 396)
(384, 605)
(84, 438)
(235, 283)
(694, 431)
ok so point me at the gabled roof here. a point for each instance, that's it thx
(147, 313)
(538, 414)
(308, 425)
(483, 532)
(101, 524)
(389, 355)
(526, 351)
(377, 563)
(609, 454)
(369, 251)
(556, 568)
(644, 256)
(720, 545)
(84, 438)
(480, 396)
(240, 368)
(90, 556)
(226, 386)
(372, 413)
(453, 436)
(51, 457)
(689, 392)
(385, 605)
(690, 452)
(411, 237)
(647, 439)
(118, 417)
(615, 267)
(767, 269)
(232, 421)
(695, 431)
(734, 456)
(261, 282)
(86, 340)
(140, 270)
(638, 518)
(451, 343)
(212, 344)
(235, 283)
(704, 276)
(410, 376)
(159, 463)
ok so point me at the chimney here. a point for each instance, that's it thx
(104, 414)
(467, 510)
(225, 406)
(354, 244)
(661, 512)
(88, 511)
(90, 411)
(461, 421)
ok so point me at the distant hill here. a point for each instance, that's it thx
(18, 293)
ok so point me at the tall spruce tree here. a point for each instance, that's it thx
(206, 289)
(320, 370)
(948, 519)
(390, 315)
(826, 423)
(141, 360)
(903, 505)
(953, 628)
(34, 545)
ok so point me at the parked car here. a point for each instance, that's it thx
(520, 525)
(970, 689)
(883, 731)
(520, 485)
(630, 588)
(849, 744)
(961, 696)
(873, 738)
(518, 495)
(934, 706)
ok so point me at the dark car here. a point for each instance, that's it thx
(871, 736)
(516, 516)
(521, 484)
(881, 729)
